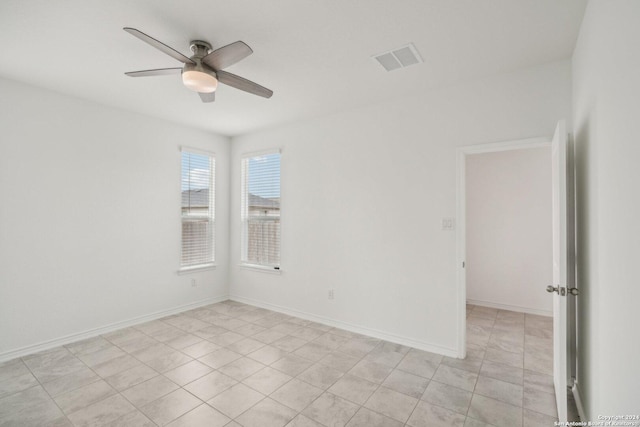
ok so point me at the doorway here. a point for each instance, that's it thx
(509, 230)
(508, 258)
(562, 196)
(463, 155)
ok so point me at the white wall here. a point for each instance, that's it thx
(363, 195)
(606, 90)
(90, 217)
(508, 234)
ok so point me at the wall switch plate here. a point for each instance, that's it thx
(448, 224)
(331, 294)
(194, 283)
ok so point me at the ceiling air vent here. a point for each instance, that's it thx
(399, 58)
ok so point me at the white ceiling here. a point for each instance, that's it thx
(314, 54)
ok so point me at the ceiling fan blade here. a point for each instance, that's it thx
(243, 84)
(228, 55)
(156, 72)
(207, 97)
(159, 45)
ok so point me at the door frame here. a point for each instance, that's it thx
(461, 236)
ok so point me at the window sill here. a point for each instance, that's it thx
(262, 268)
(196, 268)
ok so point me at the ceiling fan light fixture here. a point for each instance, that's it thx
(204, 69)
(199, 81)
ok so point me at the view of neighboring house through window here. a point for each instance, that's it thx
(260, 209)
(198, 209)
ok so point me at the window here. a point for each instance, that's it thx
(260, 209)
(198, 209)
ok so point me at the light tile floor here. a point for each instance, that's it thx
(231, 364)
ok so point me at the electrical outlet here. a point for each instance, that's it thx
(331, 295)
(194, 283)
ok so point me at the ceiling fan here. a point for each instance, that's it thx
(202, 72)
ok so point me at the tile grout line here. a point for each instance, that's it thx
(45, 390)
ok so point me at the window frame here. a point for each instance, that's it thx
(266, 268)
(211, 217)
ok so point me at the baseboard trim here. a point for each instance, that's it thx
(510, 307)
(45, 345)
(397, 339)
(576, 395)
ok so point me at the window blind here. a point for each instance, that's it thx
(260, 209)
(198, 208)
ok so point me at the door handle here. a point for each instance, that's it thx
(557, 289)
(573, 291)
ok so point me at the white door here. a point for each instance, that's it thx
(563, 259)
